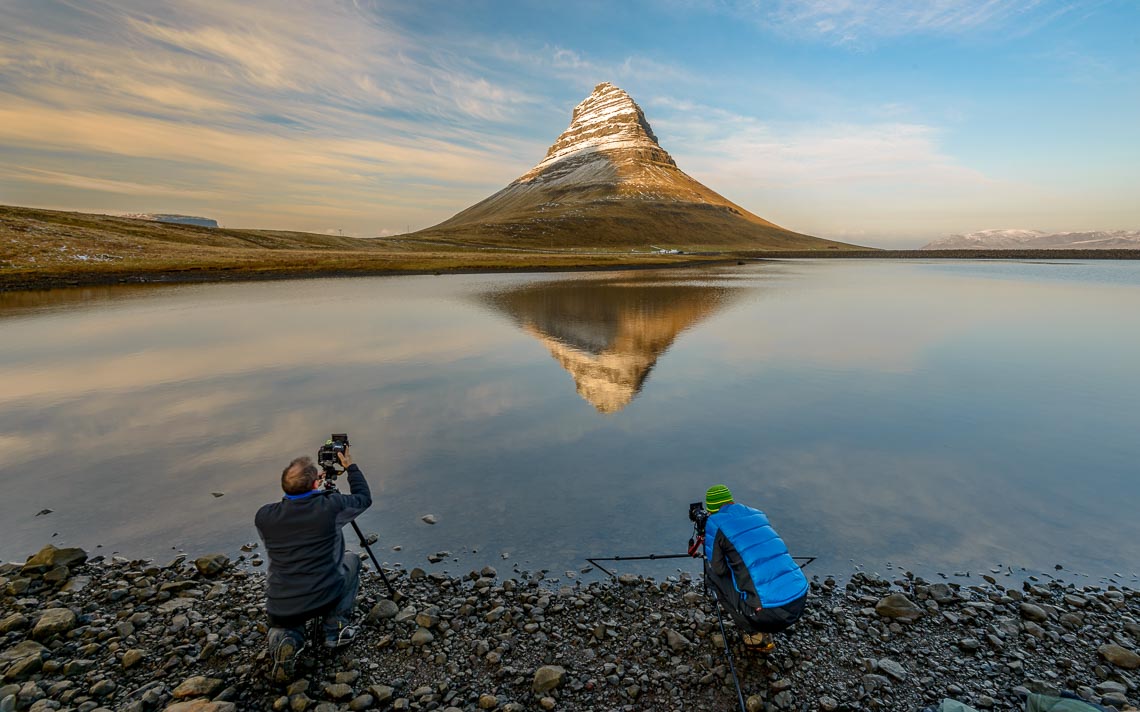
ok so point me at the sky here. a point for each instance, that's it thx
(887, 123)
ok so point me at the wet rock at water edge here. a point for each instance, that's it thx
(897, 605)
(428, 519)
(212, 564)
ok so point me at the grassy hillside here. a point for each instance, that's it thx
(41, 248)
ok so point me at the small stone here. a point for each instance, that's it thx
(428, 519)
(547, 703)
(361, 702)
(211, 564)
(53, 621)
(383, 610)
(218, 494)
(489, 572)
(754, 703)
(1033, 613)
(382, 693)
(488, 702)
(422, 637)
(892, 668)
(198, 686)
(338, 691)
(16, 621)
(548, 677)
(132, 657)
(898, 606)
(1119, 656)
(676, 641)
(200, 706)
(828, 703)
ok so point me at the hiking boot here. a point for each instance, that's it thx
(342, 637)
(762, 643)
(284, 654)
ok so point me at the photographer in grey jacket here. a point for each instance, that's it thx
(310, 573)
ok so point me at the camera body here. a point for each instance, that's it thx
(699, 516)
(327, 455)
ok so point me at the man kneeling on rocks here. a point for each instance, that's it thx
(310, 573)
(756, 579)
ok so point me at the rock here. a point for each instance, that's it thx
(16, 621)
(132, 657)
(383, 610)
(942, 593)
(361, 702)
(892, 668)
(198, 686)
(488, 572)
(422, 636)
(1033, 613)
(676, 641)
(211, 564)
(50, 557)
(754, 703)
(898, 606)
(200, 706)
(1119, 656)
(828, 703)
(547, 678)
(382, 693)
(338, 691)
(52, 622)
(627, 579)
(428, 519)
(547, 703)
(488, 702)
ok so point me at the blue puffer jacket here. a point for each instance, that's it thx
(739, 542)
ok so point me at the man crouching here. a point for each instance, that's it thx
(310, 573)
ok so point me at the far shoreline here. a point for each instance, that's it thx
(42, 281)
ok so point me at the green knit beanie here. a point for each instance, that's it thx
(716, 497)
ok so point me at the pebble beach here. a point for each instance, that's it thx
(94, 634)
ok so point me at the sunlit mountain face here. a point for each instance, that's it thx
(609, 335)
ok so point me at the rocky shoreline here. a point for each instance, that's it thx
(97, 634)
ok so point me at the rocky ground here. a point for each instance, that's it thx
(79, 634)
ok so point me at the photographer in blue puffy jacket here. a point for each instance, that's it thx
(755, 577)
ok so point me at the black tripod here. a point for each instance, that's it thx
(330, 485)
(379, 568)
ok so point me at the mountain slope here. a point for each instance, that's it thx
(607, 182)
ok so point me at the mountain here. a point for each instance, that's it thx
(1037, 240)
(608, 335)
(607, 182)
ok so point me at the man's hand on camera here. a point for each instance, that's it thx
(345, 458)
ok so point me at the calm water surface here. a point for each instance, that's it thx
(935, 417)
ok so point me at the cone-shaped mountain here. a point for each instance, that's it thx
(607, 182)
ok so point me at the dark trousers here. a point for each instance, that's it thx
(335, 615)
(749, 620)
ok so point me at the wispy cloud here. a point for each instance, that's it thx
(859, 21)
(263, 100)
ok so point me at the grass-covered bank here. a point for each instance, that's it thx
(136, 635)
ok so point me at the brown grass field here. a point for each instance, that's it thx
(46, 248)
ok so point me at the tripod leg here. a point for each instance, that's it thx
(375, 562)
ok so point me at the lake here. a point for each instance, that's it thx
(937, 417)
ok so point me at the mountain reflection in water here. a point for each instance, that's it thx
(609, 334)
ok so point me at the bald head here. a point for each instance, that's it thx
(299, 476)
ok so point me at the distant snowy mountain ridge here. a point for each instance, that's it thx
(1010, 239)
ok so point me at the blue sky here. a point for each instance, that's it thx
(883, 122)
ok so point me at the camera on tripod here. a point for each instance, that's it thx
(327, 456)
(699, 516)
